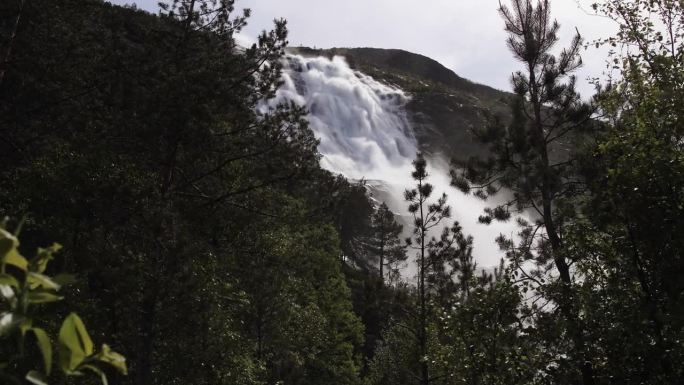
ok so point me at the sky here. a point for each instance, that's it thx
(466, 36)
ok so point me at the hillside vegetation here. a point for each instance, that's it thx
(194, 231)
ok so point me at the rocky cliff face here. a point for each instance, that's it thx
(444, 108)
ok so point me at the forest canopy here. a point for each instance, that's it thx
(200, 239)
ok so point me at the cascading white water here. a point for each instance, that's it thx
(360, 122)
(364, 133)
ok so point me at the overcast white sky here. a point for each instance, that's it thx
(464, 35)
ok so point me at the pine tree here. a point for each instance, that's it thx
(464, 266)
(426, 217)
(385, 242)
(530, 156)
(436, 258)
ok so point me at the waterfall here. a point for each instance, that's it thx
(360, 122)
(365, 133)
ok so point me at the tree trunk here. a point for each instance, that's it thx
(567, 302)
(382, 255)
(424, 370)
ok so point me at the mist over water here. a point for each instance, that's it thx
(365, 133)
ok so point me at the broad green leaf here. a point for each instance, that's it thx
(74, 343)
(15, 259)
(36, 280)
(43, 257)
(9, 280)
(6, 245)
(45, 347)
(43, 297)
(83, 334)
(36, 377)
(97, 371)
(7, 242)
(118, 361)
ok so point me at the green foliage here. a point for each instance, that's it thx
(212, 245)
(481, 340)
(299, 313)
(614, 316)
(531, 162)
(395, 361)
(410, 347)
(633, 278)
(24, 286)
(152, 146)
(384, 243)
